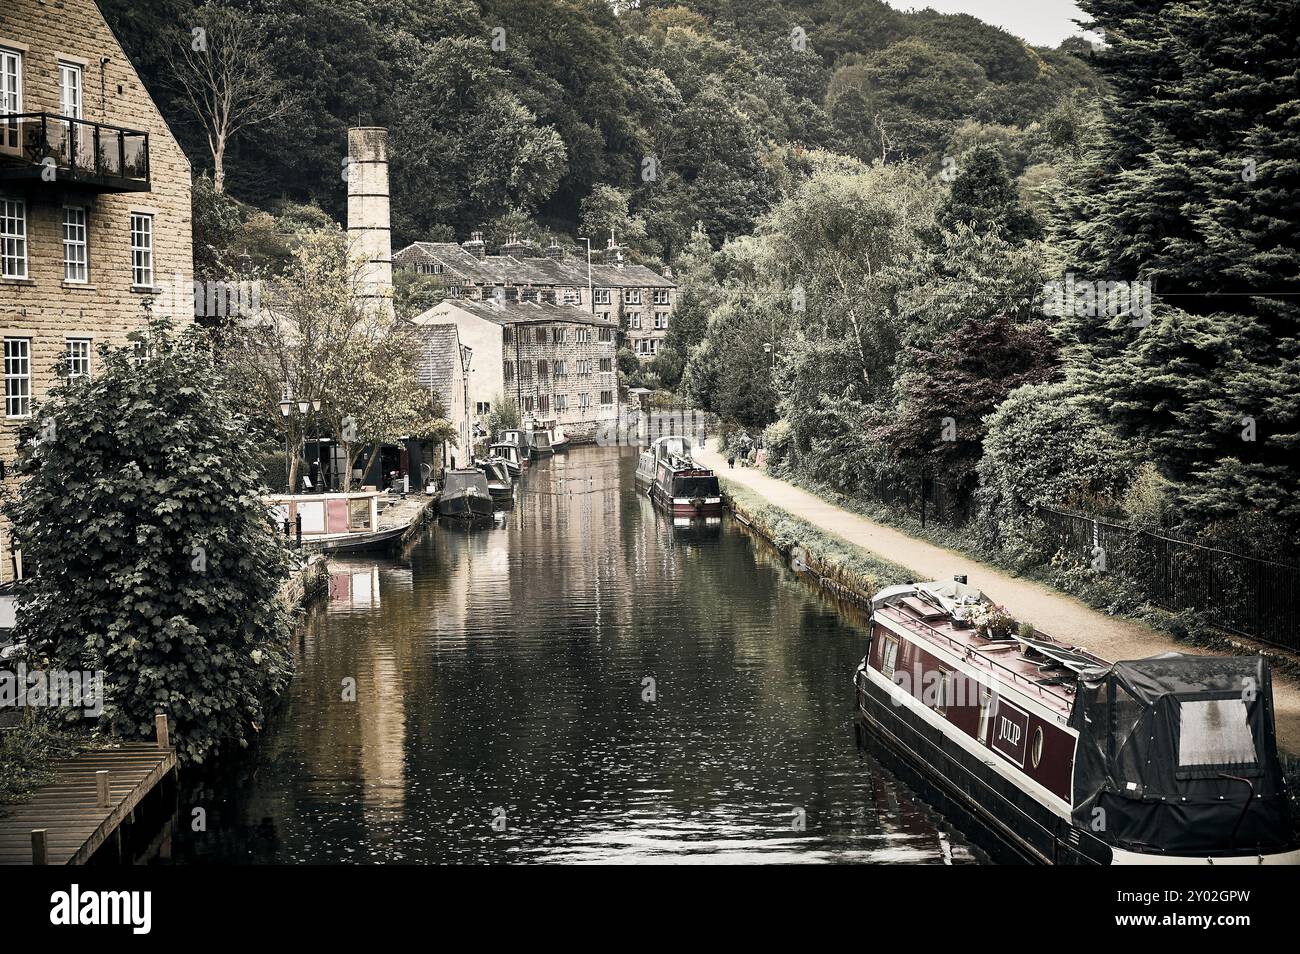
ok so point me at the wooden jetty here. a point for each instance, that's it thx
(92, 795)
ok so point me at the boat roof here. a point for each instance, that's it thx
(461, 478)
(1038, 666)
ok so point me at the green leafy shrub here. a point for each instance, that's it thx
(148, 547)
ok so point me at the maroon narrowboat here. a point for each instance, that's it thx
(1066, 757)
(676, 483)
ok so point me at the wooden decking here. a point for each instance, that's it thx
(73, 812)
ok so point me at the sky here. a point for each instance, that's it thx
(1041, 22)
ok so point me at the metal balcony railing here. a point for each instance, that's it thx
(45, 147)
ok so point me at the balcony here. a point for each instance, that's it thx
(58, 150)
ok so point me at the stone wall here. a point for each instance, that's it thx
(43, 308)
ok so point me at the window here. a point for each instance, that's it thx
(1214, 734)
(528, 404)
(557, 336)
(634, 320)
(13, 238)
(632, 296)
(540, 336)
(70, 90)
(359, 514)
(78, 357)
(606, 365)
(572, 296)
(584, 336)
(543, 404)
(939, 700)
(18, 377)
(141, 250)
(11, 91)
(1036, 751)
(542, 371)
(988, 707)
(661, 296)
(561, 369)
(561, 402)
(529, 294)
(888, 657)
(602, 296)
(605, 334)
(661, 319)
(606, 397)
(525, 371)
(508, 335)
(508, 371)
(584, 400)
(482, 407)
(75, 263)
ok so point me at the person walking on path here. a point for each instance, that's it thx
(731, 461)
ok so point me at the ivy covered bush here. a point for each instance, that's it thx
(147, 549)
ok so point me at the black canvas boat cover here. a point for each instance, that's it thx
(1177, 755)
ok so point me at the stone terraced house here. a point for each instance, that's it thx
(635, 298)
(554, 363)
(94, 206)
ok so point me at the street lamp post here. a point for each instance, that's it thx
(286, 408)
(315, 421)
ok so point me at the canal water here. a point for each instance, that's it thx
(578, 682)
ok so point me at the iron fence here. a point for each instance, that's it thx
(1243, 594)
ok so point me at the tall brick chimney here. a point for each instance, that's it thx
(368, 216)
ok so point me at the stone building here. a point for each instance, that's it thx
(94, 205)
(635, 298)
(554, 363)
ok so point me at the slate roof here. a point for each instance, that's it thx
(468, 269)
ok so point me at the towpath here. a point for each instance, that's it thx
(1051, 611)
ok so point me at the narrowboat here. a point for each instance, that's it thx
(559, 440)
(539, 443)
(673, 445)
(519, 439)
(1068, 758)
(500, 484)
(465, 494)
(676, 482)
(509, 455)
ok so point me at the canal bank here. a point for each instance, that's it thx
(1051, 611)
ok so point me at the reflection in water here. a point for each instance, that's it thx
(579, 680)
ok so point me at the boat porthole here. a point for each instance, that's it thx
(1037, 753)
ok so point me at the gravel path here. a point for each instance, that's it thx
(1051, 611)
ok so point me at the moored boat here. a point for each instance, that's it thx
(509, 455)
(500, 484)
(539, 443)
(465, 494)
(519, 439)
(676, 482)
(1069, 758)
(558, 439)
